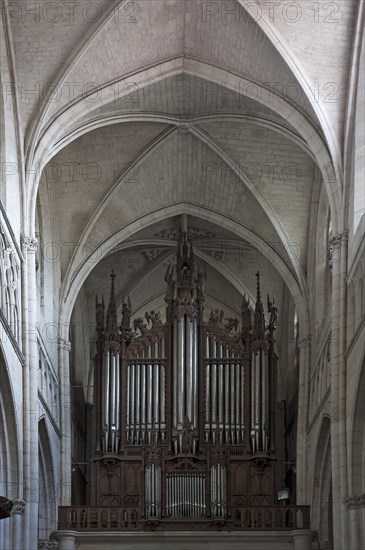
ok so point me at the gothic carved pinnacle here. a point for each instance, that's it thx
(259, 317)
(111, 318)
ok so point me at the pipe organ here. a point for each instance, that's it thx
(184, 410)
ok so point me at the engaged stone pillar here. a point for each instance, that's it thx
(338, 507)
(30, 394)
(303, 400)
(64, 348)
(355, 504)
(303, 539)
(16, 522)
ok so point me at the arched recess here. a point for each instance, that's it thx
(47, 509)
(10, 486)
(321, 511)
(73, 284)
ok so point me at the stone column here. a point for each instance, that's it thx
(355, 504)
(303, 403)
(302, 539)
(338, 253)
(16, 522)
(64, 348)
(30, 393)
(343, 385)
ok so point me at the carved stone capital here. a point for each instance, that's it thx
(355, 501)
(18, 506)
(29, 244)
(47, 545)
(304, 341)
(335, 242)
(63, 344)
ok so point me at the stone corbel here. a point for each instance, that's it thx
(18, 506)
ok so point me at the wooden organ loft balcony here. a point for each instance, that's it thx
(183, 427)
(100, 518)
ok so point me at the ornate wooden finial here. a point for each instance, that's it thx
(259, 319)
(111, 319)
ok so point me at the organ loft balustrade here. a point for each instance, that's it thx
(183, 429)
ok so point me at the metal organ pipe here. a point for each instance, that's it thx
(214, 391)
(218, 490)
(112, 402)
(117, 402)
(138, 400)
(208, 426)
(149, 394)
(181, 377)
(175, 380)
(156, 391)
(106, 362)
(132, 371)
(266, 404)
(188, 365)
(227, 403)
(143, 399)
(195, 390)
(255, 400)
(263, 398)
(220, 382)
(162, 387)
(153, 491)
(233, 400)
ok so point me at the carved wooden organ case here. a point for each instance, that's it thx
(184, 412)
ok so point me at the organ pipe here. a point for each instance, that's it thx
(111, 402)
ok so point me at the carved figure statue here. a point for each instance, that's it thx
(216, 317)
(126, 315)
(186, 438)
(231, 324)
(169, 279)
(200, 282)
(138, 324)
(154, 317)
(273, 310)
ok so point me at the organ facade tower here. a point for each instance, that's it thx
(184, 411)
